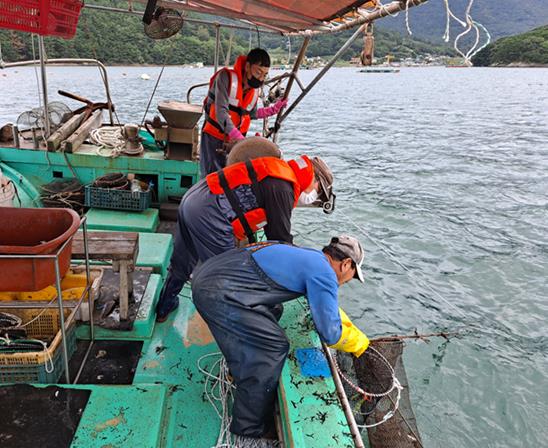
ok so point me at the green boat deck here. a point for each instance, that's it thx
(166, 398)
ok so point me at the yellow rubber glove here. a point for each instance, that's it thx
(352, 339)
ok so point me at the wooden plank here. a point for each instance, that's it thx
(124, 289)
(55, 139)
(72, 143)
(107, 246)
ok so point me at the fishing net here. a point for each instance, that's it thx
(35, 118)
(8, 321)
(20, 346)
(387, 413)
(65, 194)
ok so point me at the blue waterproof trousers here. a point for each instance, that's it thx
(203, 230)
(239, 303)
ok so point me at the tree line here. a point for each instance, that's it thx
(529, 48)
(120, 39)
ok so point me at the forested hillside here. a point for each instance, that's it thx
(529, 48)
(119, 39)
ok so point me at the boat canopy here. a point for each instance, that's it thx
(283, 16)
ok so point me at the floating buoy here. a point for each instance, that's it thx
(145, 76)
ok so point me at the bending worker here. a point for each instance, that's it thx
(231, 104)
(235, 292)
(235, 202)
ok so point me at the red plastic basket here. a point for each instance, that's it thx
(45, 17)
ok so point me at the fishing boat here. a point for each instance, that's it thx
(106, 375)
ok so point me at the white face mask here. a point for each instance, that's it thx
(307, 198)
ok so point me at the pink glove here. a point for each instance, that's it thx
(264, 112)
(235, 134)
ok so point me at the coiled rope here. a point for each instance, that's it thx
(112, 143)
(218, 391)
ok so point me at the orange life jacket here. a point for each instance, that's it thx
(240, 104)
(250, 173)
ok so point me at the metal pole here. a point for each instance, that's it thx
(42, 53)
(62, 319)
(186, 19)
(217, 45)
(76, 61)
(294, 71)
(356, 434)
(90, 302)
(320, 75)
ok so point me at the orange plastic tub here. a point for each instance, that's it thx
(34, 231)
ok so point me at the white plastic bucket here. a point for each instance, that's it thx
(7, 192)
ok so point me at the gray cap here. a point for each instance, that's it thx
(352, 248)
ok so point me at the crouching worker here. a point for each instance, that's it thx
(235, 293)
(231, 205)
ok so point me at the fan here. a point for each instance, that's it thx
(161, 23)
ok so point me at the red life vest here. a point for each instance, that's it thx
(240, 104)
(251, 173)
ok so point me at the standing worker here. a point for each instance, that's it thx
(231, 104)
(233, 203)
(235, 293)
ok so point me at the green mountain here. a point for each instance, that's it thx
(119, 39)
(529, 48)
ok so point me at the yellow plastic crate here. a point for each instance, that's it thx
(45, 366)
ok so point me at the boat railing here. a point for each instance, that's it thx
(72, 61)
(195, 86)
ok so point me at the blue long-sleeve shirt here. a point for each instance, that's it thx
(306, 271)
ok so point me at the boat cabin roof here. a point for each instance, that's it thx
(283, 16)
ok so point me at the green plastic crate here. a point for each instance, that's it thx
(97, 197)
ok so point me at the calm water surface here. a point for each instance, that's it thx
(443, 174)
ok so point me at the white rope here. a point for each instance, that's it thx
(110, 139)
(407, 17)
(39, 314)
(218, 391)
(48, 356)
(392, 412)
(487, 42)
(384, 8)
(112, 143)
(470, 25)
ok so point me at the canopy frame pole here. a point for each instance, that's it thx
(186, 19)
(335, 58)
(292, 77)
(217, 46)
(44, 79)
